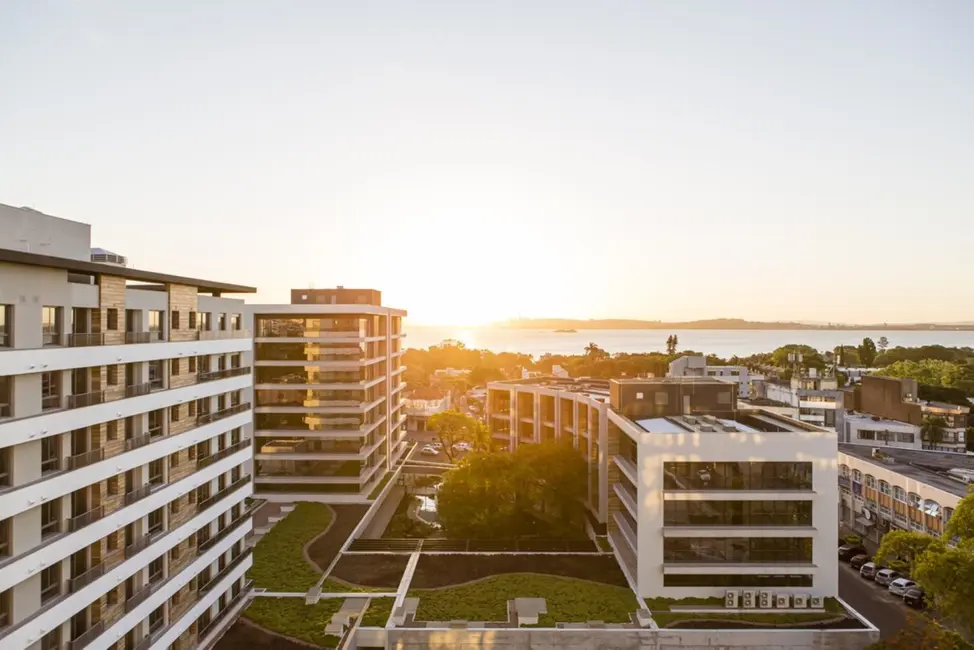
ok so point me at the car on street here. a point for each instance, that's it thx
(430, 450)
(914, 597)
(868, 571)
(886, 576)
(857, 561)
(462, 446)
(849, 551)
(900, 586)
(703, 475)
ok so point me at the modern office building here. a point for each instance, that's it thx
(329, 421)
(696, 366)
(813, 394)
(885, 488)
(886, 412)
(124, 447)
(697, 495)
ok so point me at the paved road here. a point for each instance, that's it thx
(883, 610)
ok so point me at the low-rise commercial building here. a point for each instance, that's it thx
(423, 403)
(696, 366)
(816, 396)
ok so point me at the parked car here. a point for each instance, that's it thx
(430, 450)
(868, 571)
(462, 446)
(849, 551)
(859, 560)
(886, 576)
(900, 586)
(703, 475)
(915, 598)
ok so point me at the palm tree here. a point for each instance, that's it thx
(932, 430)
(882, 343)
(670, 344)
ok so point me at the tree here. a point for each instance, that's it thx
(867, 352)
(882, 343)
(595, 353)
(453, 426)
(811, 358)
(961, 524)
(933, 428)
(904, 545)
(947, 575)
(920, 633)
(847, 356)
(933, 372)
(672, 343)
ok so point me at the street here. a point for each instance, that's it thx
(877, 605)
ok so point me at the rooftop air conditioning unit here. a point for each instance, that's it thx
(817, 602)
(706, 428)
(782, 601)
(748, 599)
(765, 601)
(801, 601)
(731, 597)
(689, 419)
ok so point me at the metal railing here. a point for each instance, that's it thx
(137, 337)
(202, 547)
(144, 644)
(227, 570)
(226, 373)
(137, 546)
(51, 402)
(4, 339)
(215, 335)
(225, 492)
(85, 339)
(137, 494)
(135, 442)
(88, 636)
(137, 389)
(86, 399)
(138, 598)
(86, 458)
(79, 522)
(4, 410)
(86, 578)
(206, 418)
(52, 338)
(156, 335)
(223, 453)
(222, 614)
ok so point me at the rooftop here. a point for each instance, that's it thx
(743, 421)
(593, 388)
(860, 417)
(929, 467)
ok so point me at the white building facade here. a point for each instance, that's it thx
(696, 366)
(124, 448)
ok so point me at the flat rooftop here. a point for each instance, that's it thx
(928, 467)
(593, 388)
(860, 417)
(742, 421)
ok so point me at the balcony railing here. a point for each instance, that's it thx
(214, 335)
(4, 339)
(137, 546)
(137, 389)
(223, 453)
(213, 375)
(4, 410)
(86, 458)
(222, 614)
(137, 337)
(89, 635)
(52, 338)
(206, 418)
(138, 598)
(86, 399)
(137, 494)
(144, 644)
(232, 526)
(85, 339)
(156, 335)
(137, 441)
(79, 522)
(225, 492)
(226, 571)
(86, 578)
(51, 402)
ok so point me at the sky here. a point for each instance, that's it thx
(480, 161)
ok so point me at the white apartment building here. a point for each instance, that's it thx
(696, 366)
(329, 417)
(816, 396)
(422, 404)
(697, 495)
(124, 448)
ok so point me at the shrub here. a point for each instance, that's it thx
(291, 617)
(279, 563)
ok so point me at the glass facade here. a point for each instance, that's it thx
(737, 513)
(737, 476)
(737, 550)
(755, 581)
(286, 326)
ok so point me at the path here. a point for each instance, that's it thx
(325, 548)
(384, 515)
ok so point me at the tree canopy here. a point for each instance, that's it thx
(453, 426)
(933, 372)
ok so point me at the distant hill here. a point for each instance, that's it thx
(712, 324)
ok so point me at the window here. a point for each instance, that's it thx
(112, 318)
(156, 524)
(174, 460)
(5, 546)
(899, 493)
(111, 375)
(51, 640)
(155, 569)
(50, 390)
(235, 360)
(6, 607)
(192, 365)
(236, 321)
(174, 509)
(732, 580)
(174, 413)
(661, 398)
(111, 430)
(205, 319)
(155, 374)
(6, 326)
(192, 320)
(112, 485)
(913, 499)
(155, 320)
(50, 582)
(192, 409)
(174, 367)
(156, 472)
(737, 476)
(737, 550)
(737, 513)
(885, 488)
(6, 396)
(857, 476)
(50, 454)
(222, 322)
(51, 325)
(870, 481)
(174, 320)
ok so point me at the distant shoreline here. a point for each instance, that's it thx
(795, 327)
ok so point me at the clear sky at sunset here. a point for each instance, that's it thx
(477, 161)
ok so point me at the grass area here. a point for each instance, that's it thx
(291, 617)
(378, 612)
(279, 563)
(603, 544)
(663, 604)
(333, 586)
(568, 600)
(378, 488)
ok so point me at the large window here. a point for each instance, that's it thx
(51, 325)
(756, 581)
(756, 550)
(737, 513)
(737, 476)
(6, 396)
(6, 326)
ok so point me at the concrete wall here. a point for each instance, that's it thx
(413, 639)
(23, 229)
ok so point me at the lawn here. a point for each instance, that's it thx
(568, 600)
(332, 586)
(291, 617)
(279, 563)
(383, 572)
(378, 612)
(434, 571)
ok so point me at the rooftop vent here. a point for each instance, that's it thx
(102, 256)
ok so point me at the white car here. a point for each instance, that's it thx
(885, 576)
(703, 475)
(430, 450)
(900, 586)
(462, 446)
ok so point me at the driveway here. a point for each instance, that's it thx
(876, 604)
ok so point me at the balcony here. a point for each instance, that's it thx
(89, 635)
(222, 374)
(206, 418)
(137, 494)
(86, 399)
(136, 390)
(86, 339)
(138, 598)
(223, 453)
(86, 578)
(223, 613)
(219, 335)
(137, 441)
(86, 458)
(137, 337)
(52, 338)
(50, 402)
(137, 546)
(222, 494)
(237, 561)
(90, 517)
(233, 525)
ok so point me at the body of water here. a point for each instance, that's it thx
(723, 343)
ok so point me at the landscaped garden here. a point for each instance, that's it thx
(378, 612)
(279, 562)
(402, 525)
(374, 571)
(567, 599)
(324, 549)
(433, 571)
(292, 618)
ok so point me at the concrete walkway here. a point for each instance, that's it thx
(384, 515)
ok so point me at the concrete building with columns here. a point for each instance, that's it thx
(125, 447)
